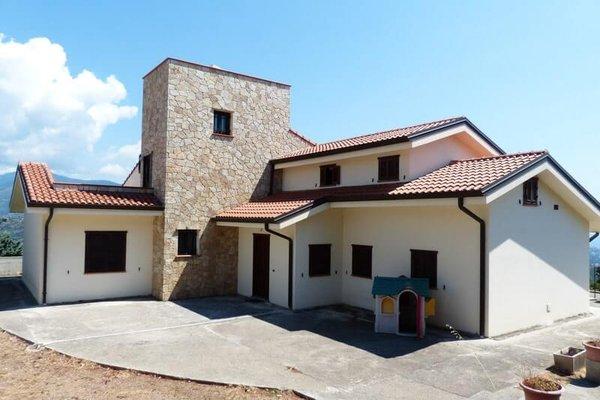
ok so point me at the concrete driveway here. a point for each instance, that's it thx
(326, 353)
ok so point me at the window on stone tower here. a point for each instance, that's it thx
(222, 123)
(186, 242)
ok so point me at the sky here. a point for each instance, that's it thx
(526, 73)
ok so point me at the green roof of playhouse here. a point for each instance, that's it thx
(389, 286)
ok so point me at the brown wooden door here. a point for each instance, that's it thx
(260, 266)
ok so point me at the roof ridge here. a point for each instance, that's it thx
(301, 136)
(518, 154)
(394, 129)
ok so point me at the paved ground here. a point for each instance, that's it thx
(325, 353)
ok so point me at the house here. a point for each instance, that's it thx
(227, 199)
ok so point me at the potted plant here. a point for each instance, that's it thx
(538, 387)
(569, 360)
(592, 349)
(592, 360)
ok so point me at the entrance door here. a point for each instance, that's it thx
(260, 266)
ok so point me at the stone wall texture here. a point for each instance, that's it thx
(198, 174)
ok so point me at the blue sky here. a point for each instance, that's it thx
(525, 74)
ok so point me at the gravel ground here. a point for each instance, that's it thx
(29, 373)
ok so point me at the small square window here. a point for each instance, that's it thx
(389, 168)
(530, 192)
(186, 242)
(330, 175)
(222, 123)
(362, 260)
(319, 259)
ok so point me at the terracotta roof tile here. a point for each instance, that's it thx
(41, 190)
(466, 177)
(372, 138)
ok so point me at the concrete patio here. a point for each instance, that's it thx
(326, 353)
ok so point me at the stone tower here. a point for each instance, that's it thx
(197, 173)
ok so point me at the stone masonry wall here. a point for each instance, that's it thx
(197, 174)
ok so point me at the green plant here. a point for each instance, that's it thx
(8, 246)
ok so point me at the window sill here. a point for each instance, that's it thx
(362, 276)
(185, 256)
(531, 204)
(388, 180)
(328, 186)
(223, 135)
(105, 272)
(318, 275)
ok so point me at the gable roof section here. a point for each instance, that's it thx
(398, 135)
(41, 190)
(465, 178)
(301, 137)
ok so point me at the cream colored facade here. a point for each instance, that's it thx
(67, 281)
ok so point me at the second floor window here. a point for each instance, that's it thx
(222, 123)
(330, 175)
(530, 192)
(389, 168)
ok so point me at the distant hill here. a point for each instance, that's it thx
(13, 223)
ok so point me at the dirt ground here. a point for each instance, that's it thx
(29, 373)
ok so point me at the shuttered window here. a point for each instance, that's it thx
(319, 259)
(389, 168)
(530, 192)
(423, 264)
(105, 251)
(330, 175)
(362, 259)
(186, 242)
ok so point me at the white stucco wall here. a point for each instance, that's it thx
(33, 252)
(429, 157)
(278, 268)
(353, 172)
(538, 258)
(393, 232)
(66, 279)
(364, 170)
(323, 228)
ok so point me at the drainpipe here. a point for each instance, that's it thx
(45, 275)
(482, 255)
(594, 236)
(290, 263)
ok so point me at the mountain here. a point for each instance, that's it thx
(13, 223)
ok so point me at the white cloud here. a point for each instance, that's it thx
(48, 114)
(114, 171)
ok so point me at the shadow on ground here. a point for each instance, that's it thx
(14, 295)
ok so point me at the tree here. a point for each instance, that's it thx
(9, 246)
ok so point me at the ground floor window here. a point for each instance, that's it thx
(186, 242)
(423, 264)
(319, 259)
(105, 251)
(362, 260)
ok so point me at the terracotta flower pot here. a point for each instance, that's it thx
(534, 394)
(592, 352)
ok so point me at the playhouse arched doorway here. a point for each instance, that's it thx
(407, 317)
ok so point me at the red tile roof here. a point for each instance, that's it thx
(460, 178)
(374, 139)
(41, 191)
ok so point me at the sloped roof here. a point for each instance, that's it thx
(380, 138)
(42, 191)
(459, 178)
(391, 286)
